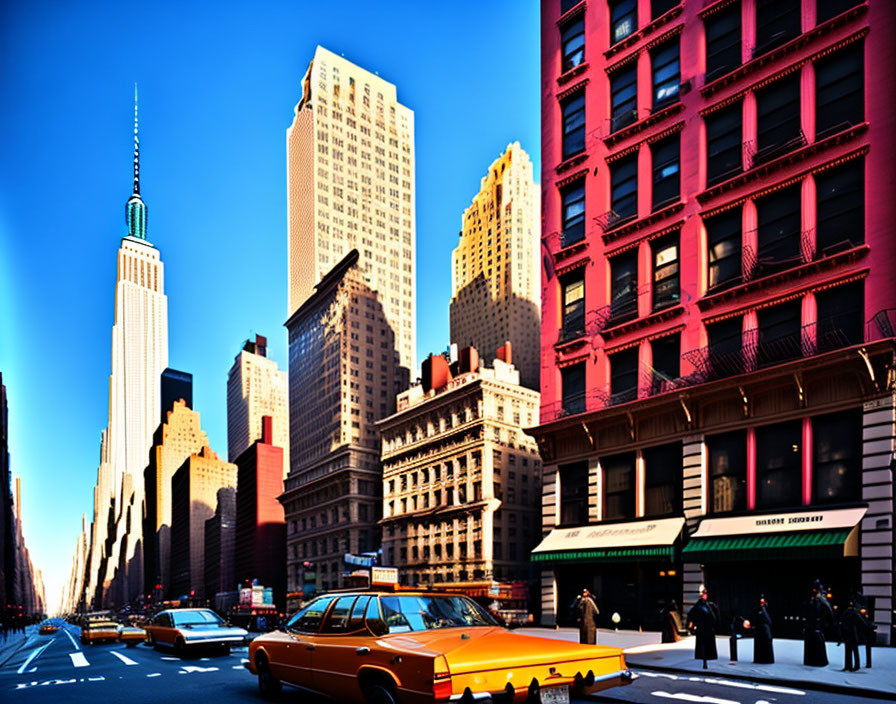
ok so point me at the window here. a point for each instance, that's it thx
(308, 619)
(661, 7)
(837, 457)
(778, 118)
(567, 5)
(723, 245)
(624, 375)
(840, 91)
(573, 380)
(723, 41)
(573, 109)
(624, 188)
(623, 19)
(666, 366)
(573, 305)
(572, 200)
(841, 312)
(778, 233)
(840, 214)
(624, 97)
(619, 486)
(725, 348)
(777, 22)
(572, 37)
(666, 79)
(826, 9)
(779, 333)
(778, 465)
(624, 286)
(724, 144)
(666, 171)
(727, 470)
(338, 618)
(666, 291)
(663, 471)
(573, 493)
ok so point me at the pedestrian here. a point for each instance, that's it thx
(763, 648)
(818, 616)
(869, 636)
(586, 617)
(851, 628)
(702, 620)
(738, 624)
(671, 623)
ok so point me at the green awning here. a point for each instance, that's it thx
(819, 544)
(663, 552)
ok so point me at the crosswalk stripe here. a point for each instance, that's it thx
(78, 659)
(124, 658)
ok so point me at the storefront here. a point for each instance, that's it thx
(778, 555)
(633, 568)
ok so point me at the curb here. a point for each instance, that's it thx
(803, 684)
(13, 649)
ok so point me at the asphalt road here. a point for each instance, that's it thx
(57, 668)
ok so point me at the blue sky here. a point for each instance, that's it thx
(218, 83)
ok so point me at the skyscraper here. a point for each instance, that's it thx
(139, 355)
(256, 387)
(495, 276)
(350, 183)
(176, 385)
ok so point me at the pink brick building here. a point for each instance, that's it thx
(717, 355)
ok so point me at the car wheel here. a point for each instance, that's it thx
(180, 648)
(132, 644)
(225, 650)
(377, 694)
(268, 685)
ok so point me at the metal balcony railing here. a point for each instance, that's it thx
(785, 252)
(773, 151)
(572, 329)
(611, 219)
(574, 405)
(572, 236)
(774, 41)
(624, 308)
(623, 119)
(655, 382)
(623, 396)
(882, 324)
(597, 320)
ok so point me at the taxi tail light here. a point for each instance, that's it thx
(441, 679)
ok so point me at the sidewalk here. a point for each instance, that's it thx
(15, 642)
(644, 651)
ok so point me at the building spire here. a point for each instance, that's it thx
(135, 210)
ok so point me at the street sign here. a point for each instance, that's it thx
(384, 575)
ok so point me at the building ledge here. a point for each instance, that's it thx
(631, 226)
(643, 124)
(571, 162)
(644, 32)
(659, 316)
(565, 78)
(790, 47)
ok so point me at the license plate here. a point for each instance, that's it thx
(554, 695)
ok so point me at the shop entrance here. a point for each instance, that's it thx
(736, 587)
(637, 591)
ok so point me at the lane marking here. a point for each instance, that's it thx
(693, 698)
(238, 667)
(78, 659)
(167, 658)
(154, 674)
(727, 683)
(124, 658)
(72, 639)
(187, 669)
(34, 654)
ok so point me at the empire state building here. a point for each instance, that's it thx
(139, 355)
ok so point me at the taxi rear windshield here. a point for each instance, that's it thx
(422, 613)
(195, 618)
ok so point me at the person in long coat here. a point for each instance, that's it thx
(763, 648)
(702, 620)
(852, 627)
(818, 616)
(587, 613)
(671, 623)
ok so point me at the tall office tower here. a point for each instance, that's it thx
(344, 374)
(74, 587)
(256, 387)
(173, 443)
(220, 532)
(175, 385)
(350, 183)
(260, 551)
(724, 169)
(7, 539)
(139, 355)
(495, 276)
(194, 497)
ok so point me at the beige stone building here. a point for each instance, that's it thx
(256, 387)
(461, 480)
(350, 185)
(173, 443)
(344, 375)
(194, 498)
(495, 274)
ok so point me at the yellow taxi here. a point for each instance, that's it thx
(47, 628)
(404, 647)
(99, 632)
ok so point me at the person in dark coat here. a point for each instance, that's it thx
(671, 623)
(763, 648)
(586, 617)
(818, 617)
(852, 627)
(702, 620)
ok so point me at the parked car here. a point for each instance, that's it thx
(99, 631)
(414, 647)
(47, 629)
(183, 629)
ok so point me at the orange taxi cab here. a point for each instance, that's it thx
(99, 632)
(47, 629)
(414, 647)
